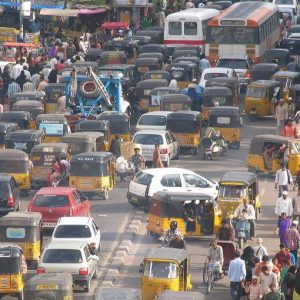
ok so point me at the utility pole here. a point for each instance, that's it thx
(21, 20)
(134, 12)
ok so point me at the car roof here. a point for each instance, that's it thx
(165, 171)
(56, 190)
(159, 113)
(74, 220)
(70, 245)
(154, 131)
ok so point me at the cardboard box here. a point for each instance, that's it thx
(127, 149)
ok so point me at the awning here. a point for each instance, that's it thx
(85, 11)
(60, 12)
(26, 45)
(114, 25)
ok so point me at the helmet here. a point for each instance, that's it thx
(173, 225)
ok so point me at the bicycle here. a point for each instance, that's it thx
(211, 273)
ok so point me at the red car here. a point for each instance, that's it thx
(56, 202)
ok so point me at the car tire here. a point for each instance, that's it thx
(87, 287)
(176, 157)
(99, 248)
(167, 162)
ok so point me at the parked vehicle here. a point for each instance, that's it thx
(153, 120)
(9, 194)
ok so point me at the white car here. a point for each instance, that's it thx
(81, 229)
(148, 182)
(169, 148)
(76, 258)
(212, 73)
(287, 3)
(153, 120)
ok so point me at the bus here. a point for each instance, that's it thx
(187, 27)
(245, 28)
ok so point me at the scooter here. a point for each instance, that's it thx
(242, 231)
(213, 147)
(124, 168)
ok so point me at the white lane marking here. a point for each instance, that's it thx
(102, 215)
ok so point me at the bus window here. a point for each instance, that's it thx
(175, 28)
(190, 28)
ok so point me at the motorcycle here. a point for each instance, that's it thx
(213, 146)
(242, 231)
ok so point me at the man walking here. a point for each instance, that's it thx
(260, 250)
(284, 205)
(293, 239)
(282, 179)
(236, 274)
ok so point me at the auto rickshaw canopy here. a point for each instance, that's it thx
(18, 218)
(6, 127)
(164, 90)
(147, 62)
(281, 57)
(27, 135)
(183, 115)
(184, 52)
(246, 178)
(51, 118)
(20, 117)
(230, 82)
(93, 125)
(50, 148)
(119, 122)
(263, 71)
(13, 155)
(153, 48)
(158, 55)
(33, 107)
(168, 254)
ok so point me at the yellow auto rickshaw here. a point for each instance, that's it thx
(5, 130)
(261, 97)
(42, 157)
(24, 229)
(54, 127)
(175, 102)
(287, 79)
(228, 121)
(186, 127)
(16, 163)
(236, 186)
(49, 286)
(268, 152)
(11, 277)
(165, 269)
(119, 123)
(156, 93)
(32, 106)
(93, 172)
(184, 73)
(175, 206)
(53, 91)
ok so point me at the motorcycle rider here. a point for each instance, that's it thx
(178, 242)
(169, 235)
(138, 160)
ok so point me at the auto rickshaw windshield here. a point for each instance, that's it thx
(86, 169)
(232, 191)
(157, 269)
(9, 265)
(14, 234)
(256, 92)
(13, 166)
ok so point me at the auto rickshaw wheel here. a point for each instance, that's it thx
(20, 296)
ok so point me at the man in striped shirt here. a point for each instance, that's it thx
(28, 86)
(13, 88)
(293, 238)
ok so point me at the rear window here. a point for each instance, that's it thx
(72, 231)
(143, 178)
(4, 188)
(62, 256)
(232, 63)
(51, 201)
(214, 75)
(153, 120)
(148, 139)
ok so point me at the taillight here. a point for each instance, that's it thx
(40, 270)
(248, 75)
(164, 151)
(10, 201)
(83, 271)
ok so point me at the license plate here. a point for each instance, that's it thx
(4, 283)
(42, 287)
(49, 225)
(85, 185)
(253, 112)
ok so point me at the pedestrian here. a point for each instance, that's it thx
(274, 293)
(283, 179)
(260, 250)
(12, 89)
(296, 202)
(296, 123)
(249, 258)
(252, 288)
(2, 92)
(21, 79)
(293, 239)
(284, 224)
(115, 146)
(283, 256)
(266, 261)
(26, 72)
(70, 50)
(281, 115)
(60, 65)
(156, 161)
(28, 86)
(288, 283)
(35, 79)
(52, 78)
(43, 83)
(296, 294)
(17, 68)
(284, 205)
(267, 278)
(138, 160)
(289, 129)
(249, 213)
(291, 107)
(236, 275)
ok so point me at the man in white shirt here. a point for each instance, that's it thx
(26, 72)
(35, 80)
(260, 250)
(282, 179)
(17, 68)
(246, 211)
(53, 62)
(46, 71)
(267, 278)
(284, 204)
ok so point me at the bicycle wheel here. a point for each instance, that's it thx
(205, 273)
(210, 278)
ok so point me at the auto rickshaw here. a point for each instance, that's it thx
(22, 118)
(6, 129)
(80, 142)
(216, 95)
(287, 79)
(33, 107)
(184, 73)
(295, 93)
(228, 121)
(16, 163)
(236, 186)
(42, 157)
(54, 127)
(261, 97)
(53, 91)
(119, 123)
(156, 93)
(129, 47)
(98, 126)
(268, 152)
(93, 54)
(93, 173)
(30, 95)
(113, 58)
(281, 57)
(143, 89)
(154, 48)
(175, 102)
(158, 55)
(175, 206)
(167, 295)
(11, 276)
(156, 37)
(24, 139)
(165, 269)
(144, 65)
(263, 71)
(186, 128)
(117, 294)
(50, 286)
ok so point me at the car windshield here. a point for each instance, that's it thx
(62, 256)
(72, 231)
(148, 139)
(154, 269)
(51, 201)
(208, 76)
(232, 63)
(232, 191)
(153, 120)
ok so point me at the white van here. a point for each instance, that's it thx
(153, 120)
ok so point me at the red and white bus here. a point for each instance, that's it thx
(245, 28)
(187, 27)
